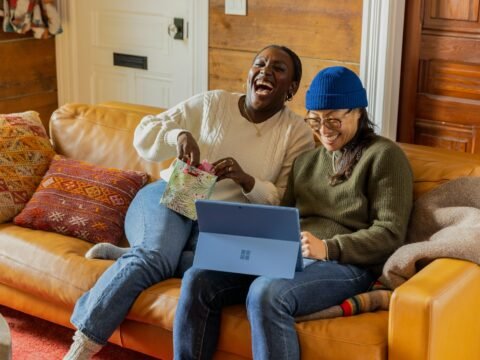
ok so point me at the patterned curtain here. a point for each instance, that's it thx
(40, 16)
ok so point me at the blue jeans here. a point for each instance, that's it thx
(157, 237)
(272, 305)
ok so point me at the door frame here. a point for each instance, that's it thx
(66, 50)
(381, 60)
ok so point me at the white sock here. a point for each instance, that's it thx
(82, 348)
(105, 251)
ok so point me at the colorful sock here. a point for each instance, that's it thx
(82, 348)
(105, 251)
(378, 298)
(367, 302)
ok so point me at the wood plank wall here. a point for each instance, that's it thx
(28, 79)
(322, 32)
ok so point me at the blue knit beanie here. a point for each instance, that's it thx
(336, 87)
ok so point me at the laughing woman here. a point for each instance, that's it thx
(252, 141)
(354, 195)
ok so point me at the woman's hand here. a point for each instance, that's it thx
(187, 149)
(313, 247)
(228, 168)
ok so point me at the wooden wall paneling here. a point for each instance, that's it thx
(458, 10)
(323, 33)
(449, 85)
(44, 103)
(464, 50)
(444, 135)
(476, 139)
(440, 102)
(27, 75)
(313, 28)
(452, 79)
(229, 69)
(451, 110)
(28, 67)
(12, 36)
(409, 73)
(452, 16)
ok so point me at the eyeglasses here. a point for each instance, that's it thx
(331, 123)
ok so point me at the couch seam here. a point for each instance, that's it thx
(40, 271)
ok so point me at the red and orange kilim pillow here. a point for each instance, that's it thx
(79, 199)
(25, 154)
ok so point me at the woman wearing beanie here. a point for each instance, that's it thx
(354, 195)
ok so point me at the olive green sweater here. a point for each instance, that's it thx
(364, 219)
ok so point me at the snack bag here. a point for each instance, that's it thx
(187, 184)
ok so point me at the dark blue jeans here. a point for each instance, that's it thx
(157, 236)
(272, 305)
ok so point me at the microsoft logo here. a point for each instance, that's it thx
(245, 254)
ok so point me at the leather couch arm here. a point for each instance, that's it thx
(436, 314)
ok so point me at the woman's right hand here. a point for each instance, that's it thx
(187, 149)
(313, 247)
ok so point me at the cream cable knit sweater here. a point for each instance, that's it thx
(214, 120)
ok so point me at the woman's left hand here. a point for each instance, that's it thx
(228, 168)
(313, 247)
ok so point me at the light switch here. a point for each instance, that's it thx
(236, 7)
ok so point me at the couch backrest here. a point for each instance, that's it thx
(434, 166)
(103, 134)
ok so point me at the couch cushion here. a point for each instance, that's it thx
(98, 134)
(362, 336)
(25, 153)
(53, 267)
(83, 200)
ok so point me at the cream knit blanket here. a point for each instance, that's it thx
(445, 223)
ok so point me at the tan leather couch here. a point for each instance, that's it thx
(435, 315)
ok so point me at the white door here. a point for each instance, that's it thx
(151, 67)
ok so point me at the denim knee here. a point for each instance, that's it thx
(154, 262)
(194, 281)
(264, 296)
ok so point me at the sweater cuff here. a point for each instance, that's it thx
(333, 251)
(326, 251)
(172, 135)
(259, 194)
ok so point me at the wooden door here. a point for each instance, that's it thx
(440, 84)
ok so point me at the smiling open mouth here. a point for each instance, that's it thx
(262, 87)
(331, 138)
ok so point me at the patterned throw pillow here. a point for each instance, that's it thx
(79, 199)
(25, 154)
